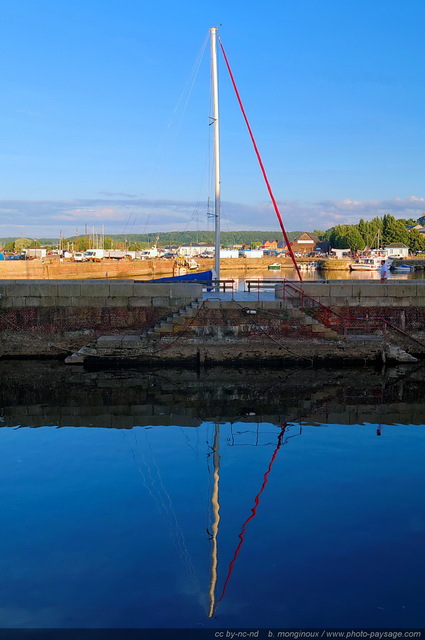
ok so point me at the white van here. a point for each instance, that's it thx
(78, 256)
(93, 255)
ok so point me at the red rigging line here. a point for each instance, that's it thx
(253, 511)
(276, 208)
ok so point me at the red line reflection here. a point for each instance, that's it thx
(253, 511)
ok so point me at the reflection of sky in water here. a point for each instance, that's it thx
(111, 528)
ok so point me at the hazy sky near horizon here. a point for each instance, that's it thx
(105, 105)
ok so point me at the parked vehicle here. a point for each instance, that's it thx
(19, 256)
(149, 253)
(34, 253)
(93, 255)
(114, 254)
(78, 256)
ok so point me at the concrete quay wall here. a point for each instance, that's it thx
(401, 302)
(52, 269)
(39, 317)
(59, 317)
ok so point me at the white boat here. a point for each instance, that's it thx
(192, 265)
(371, 261)
(402, 268)
(308, 266)
(366, 264)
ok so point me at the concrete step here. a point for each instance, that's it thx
(152, 336)
(188, 313)
(368, 337)
(333, 335)
(165, 327)
(173, 322)
(304, 319)
(318, 328)
(180, 321)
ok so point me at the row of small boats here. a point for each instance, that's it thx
(303, 266)
(365, 264)
(374, 264)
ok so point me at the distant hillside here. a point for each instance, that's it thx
(186, 237)
(182, 237)
(40, 241)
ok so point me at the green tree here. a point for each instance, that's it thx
(409, 222)
(9, 246)
(354, 239)
(369, 230)
(416, 241)
(346, 236)
(337, 237)
(362, 226)
(393, 230)
(23, 243)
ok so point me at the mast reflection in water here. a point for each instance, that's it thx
(281, 498)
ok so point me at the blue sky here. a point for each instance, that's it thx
(104, 113)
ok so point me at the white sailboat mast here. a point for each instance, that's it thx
(214, 89)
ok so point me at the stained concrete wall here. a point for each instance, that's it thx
(399, 301)
(95, 293)
(39, 317)
(355, 293)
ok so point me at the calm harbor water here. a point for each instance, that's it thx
(226, 498)
(240, 276)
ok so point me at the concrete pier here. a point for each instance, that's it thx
(178, 322)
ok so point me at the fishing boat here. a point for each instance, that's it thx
(371, 261)
(366, 264)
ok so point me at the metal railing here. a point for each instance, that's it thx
(334, 320)
(344, 325)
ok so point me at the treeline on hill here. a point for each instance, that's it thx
(365, 234)
(377, 232)
(178, 238)
(141, 241)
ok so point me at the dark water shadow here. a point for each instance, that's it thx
(43, 393)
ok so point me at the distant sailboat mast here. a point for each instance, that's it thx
(215, 122)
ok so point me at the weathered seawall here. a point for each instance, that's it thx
(398, 301)
(39, 317)
(163, 322)
(52, 269)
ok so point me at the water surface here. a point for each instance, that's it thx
(231, 499)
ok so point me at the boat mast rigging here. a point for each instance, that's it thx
(215, 123)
